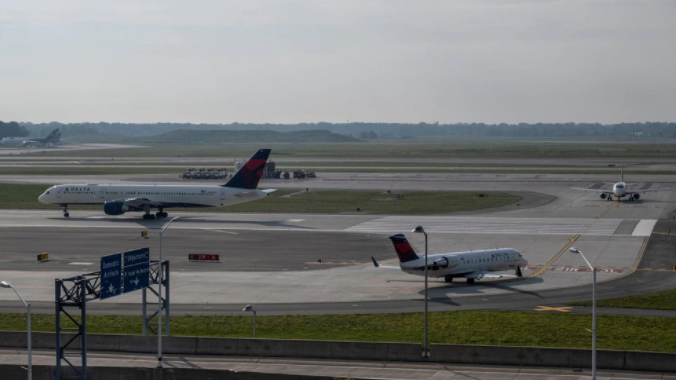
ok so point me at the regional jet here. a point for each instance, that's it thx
(473, 265)
(620, 190)
(118, 199)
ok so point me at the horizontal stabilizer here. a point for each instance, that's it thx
(375, 264)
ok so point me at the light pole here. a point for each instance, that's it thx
(593, 331)
(159, 298)
(7, 285)
(250, 308)
(426, 347)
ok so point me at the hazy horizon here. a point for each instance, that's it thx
(294, 61)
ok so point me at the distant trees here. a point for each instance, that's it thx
(369, 130)
(12, 129)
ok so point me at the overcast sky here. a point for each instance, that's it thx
(289, 61)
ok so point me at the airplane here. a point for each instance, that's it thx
(473, 265)
(119, 199)
(54, 138)
(620, 190)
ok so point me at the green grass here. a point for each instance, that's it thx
(461, 327)
(430, 148)
(85, 170)
(376, 202)
(665, 300)
(347, 168)
(24, 196)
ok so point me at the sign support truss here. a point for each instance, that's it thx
(71, 296)
(148, 325)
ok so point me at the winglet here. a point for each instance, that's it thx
(375, 263)
(248, 176)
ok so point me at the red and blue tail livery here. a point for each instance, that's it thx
(248, 176)
(403, 248)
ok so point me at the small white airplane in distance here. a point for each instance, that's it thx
(473, 265)
(620, 190)
(118, 199)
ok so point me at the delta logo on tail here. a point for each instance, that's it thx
(404, 250)
(248, 176)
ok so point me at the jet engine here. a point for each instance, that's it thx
(636, 196)
(446, 262)
(603, 196)
(115, 208)
(442, 262)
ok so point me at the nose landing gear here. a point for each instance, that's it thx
(65, 211)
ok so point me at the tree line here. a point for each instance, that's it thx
(377, 130)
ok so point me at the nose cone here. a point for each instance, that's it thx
(42, 199)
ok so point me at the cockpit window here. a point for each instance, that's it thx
(47, 192)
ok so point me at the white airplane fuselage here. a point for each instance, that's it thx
(620, 190)
(168, 195)
(460, 263)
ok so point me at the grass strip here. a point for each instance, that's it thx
(665, 300)
(102, 170)
(506, 328)
(422, 148)
(24, 196)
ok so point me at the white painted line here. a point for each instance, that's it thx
(80, 263)
(295, 220)
(644, 227)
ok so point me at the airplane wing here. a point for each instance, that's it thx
(140, 202)
(598, 191)
(651, 190)
(480, 275)
(375, 264)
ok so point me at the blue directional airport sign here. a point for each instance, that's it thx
(111, 275)
(136, 269)
(125, 272)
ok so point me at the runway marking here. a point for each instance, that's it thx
(644, 227)
(295, 220)
(221, 231)
(563, 309)
(640, 253)
(664, 233)
(488, 225)
(76, 263)
(572, 240)
(617, 203)
(545, 267)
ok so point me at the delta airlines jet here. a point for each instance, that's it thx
(620, 190)
(118, 199)
(473, 265)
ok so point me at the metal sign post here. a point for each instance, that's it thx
(120, 273)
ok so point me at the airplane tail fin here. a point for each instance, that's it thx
(248, 176)
(404, 250)
(53, 135)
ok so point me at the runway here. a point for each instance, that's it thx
(273, 260)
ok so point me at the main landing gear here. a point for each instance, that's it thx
(159, 215)
(470, 281)
(65, 211)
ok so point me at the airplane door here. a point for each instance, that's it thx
(101, 193)
(222, 195)
(58, 193)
